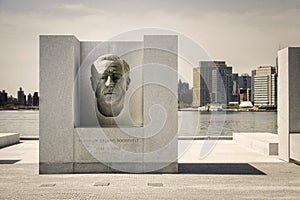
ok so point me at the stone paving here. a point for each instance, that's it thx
(19, 179)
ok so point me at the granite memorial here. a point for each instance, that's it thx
(108, 106)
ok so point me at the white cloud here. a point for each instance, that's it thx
(77, 8)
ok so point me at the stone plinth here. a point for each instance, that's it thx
(265, 143)
(7, 139)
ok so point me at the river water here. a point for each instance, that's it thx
(24, 122)
(190, 123)
(193, 123)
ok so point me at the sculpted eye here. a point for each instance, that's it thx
(116, 78)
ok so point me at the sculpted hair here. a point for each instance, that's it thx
(116, 58)
(124, 64)
(110, 57)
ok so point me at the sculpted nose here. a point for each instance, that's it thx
(108, 82)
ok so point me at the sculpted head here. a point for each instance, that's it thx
(110, 80)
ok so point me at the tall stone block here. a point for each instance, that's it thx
(160, 102)
(59, 60)
(288, 103)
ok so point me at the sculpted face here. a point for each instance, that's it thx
(111, 86)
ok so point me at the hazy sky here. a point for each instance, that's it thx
(244, 33)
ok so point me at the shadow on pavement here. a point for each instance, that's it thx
(218, 168)
(8, 161)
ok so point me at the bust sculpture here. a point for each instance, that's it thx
(110, 81)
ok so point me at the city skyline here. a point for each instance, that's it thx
(21, 101)
(17, 90)
(245, 34)
(15, 94)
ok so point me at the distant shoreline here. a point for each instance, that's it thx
(35, 108)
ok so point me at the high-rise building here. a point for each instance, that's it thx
(183, 87)
(205, 83)
(196, 87)
(25, 100)
(29, 100)
(235, 88)
(1, 101)
(222, 85)
(185, 96)
(244, 81)
(253, 73)
(35, 99)
(244, 94)
(12, 100)
(265, 86)
(244, 84)
(213, 83)
(21, 98)
(3, 97)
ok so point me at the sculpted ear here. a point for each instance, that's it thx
(127, 73)
(94, 77)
